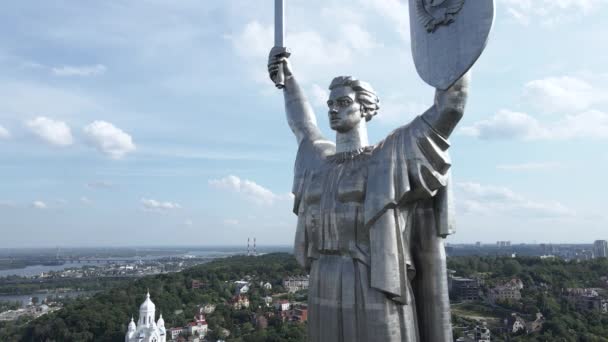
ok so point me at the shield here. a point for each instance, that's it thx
(448, 36)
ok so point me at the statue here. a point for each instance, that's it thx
(372, 219)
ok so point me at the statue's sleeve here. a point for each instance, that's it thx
(410, 165)
(309, 158)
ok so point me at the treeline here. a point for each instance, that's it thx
(545, 281)
(105, 316)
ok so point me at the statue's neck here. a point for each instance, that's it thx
(352, 140)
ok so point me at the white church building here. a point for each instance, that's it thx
(146, 330)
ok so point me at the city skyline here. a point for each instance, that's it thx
(154, 122)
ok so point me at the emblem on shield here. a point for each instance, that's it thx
(447, 37)
(437, 12)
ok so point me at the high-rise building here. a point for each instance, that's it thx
(600, 248)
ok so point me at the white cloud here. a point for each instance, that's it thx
(395, 11)
(154, 205)
(53, 132)
(318, 96)
(590, 124)
(86, 70)
(248, 189)
(4, 133)
(488, 200)
(109, 139)
(254, 41)
(549, 12)
(231, 222)
(506, 125)
(529, 166)
(562, 94)
(85, 200)
(312, 52)
(39, 205)
(358, 38)
(188, 223)
(399, 111)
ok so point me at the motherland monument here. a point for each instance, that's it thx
(372, 218)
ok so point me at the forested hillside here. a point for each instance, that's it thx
(105, 316)
(546, 282)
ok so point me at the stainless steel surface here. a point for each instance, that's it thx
(371, 219)
(279, 34)
(279, 18)
(448, 36)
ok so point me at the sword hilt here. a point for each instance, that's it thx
(279, 78)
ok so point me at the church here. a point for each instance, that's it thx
(146, 329)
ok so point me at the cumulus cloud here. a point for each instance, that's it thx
(395, 11)
(109, 139)
(248, 189)
(254, 40)
(358, 39)
(562, 94)
(85, 70)
(154, 205)
(309, 46)
(397, 110)
(4, 133)
(39, 205)
(505, 125)
(311, 49)
(54, 132)
(549, 12)
(488, 200)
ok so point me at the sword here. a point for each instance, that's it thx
(279, 49)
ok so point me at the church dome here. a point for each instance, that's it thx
(147, 305)
(132, 326)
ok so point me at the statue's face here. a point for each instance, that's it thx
(344, 110)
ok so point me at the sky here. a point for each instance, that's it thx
(153, 122)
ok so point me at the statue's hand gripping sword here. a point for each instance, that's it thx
(279, 49)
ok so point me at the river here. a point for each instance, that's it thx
(33, 270)
(209, 252)
(26, 299)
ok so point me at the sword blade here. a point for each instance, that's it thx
(279, 18)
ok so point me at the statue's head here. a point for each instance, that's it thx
(350, 100)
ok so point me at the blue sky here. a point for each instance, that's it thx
(153, 122)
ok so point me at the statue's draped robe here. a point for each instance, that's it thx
(356, 214)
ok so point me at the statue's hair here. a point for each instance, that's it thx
(365, 94)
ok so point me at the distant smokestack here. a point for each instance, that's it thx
(255, 252)
(248, 248)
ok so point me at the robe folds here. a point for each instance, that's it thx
(356, 212)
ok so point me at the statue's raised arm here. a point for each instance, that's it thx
(300, 115)
(448, 107)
